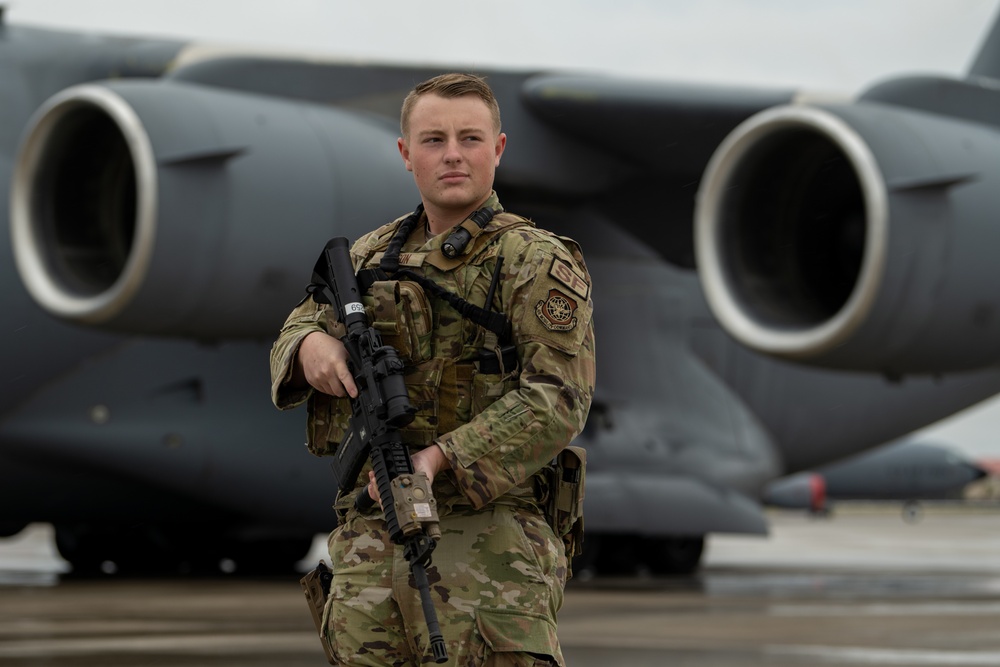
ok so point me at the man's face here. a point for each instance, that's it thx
(453, 150)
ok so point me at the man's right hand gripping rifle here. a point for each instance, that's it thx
(380, 409)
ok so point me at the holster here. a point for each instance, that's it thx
(564, 509)
(316, 586)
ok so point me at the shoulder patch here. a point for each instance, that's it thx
(558, 312)
(564, 272)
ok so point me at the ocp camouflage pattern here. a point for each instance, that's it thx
(497, 431)
(496, 577)
(498, 572)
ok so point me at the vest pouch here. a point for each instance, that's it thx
(329, 418)
(401, 313)
(423, 385)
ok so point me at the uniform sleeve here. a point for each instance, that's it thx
(548, 295)
(306, 318)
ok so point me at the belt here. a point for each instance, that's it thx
(530, 494)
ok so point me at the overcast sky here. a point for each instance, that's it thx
(837, 46)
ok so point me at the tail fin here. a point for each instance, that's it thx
(987, 62)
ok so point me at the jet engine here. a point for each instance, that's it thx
(860, 236)
(176, 209)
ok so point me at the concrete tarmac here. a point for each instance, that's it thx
(863, 587)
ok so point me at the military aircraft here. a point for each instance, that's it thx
(778, 284)
(907, 470)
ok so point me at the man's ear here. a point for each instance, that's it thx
(500, 145)
(404, 151)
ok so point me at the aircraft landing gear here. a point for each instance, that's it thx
(161, 550)
(674, 555)
(610, 555)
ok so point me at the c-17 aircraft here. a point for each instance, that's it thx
(908, 471)
(777, 284)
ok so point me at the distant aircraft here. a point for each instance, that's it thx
(778, 284)
(907, 471)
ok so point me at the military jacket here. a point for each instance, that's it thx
(496, 429)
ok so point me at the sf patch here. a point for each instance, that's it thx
(564, 272)
(558, 312)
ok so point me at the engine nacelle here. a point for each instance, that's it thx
(169, 208)
(860, 236)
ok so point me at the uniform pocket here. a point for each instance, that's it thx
(329, 418)
(510, 631)
(487, 388)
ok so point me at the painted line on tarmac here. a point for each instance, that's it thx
(888, 656)
(284, 642)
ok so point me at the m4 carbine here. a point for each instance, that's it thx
(381, 408)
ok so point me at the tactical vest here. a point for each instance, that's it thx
(440, 348)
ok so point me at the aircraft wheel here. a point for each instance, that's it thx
(267, 556)
(91, 550)
(673, 555)
(134, 550)
(619, 555)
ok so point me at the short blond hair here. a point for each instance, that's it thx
(450, 86)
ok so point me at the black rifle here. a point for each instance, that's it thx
(380, 410)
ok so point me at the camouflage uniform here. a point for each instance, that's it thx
(498, 572)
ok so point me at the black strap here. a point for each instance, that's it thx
(490, 320)
(390, 260)
(389, 266)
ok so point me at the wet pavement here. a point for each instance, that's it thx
(861, 588)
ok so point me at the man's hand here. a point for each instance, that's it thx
(429, 460)
(322, 362)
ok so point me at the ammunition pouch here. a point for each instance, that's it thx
(400, 311)
(316, 586)
(564, 500)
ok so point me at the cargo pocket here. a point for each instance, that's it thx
(509, 632)
(327, 637)
(487, 388)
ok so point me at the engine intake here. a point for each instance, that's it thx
(856, 237)
(168, 208)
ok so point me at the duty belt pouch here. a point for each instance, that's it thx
(316, 586)
(564, 510)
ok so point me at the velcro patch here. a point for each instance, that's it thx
(407, 259)
(564, 272)
(558, 312)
